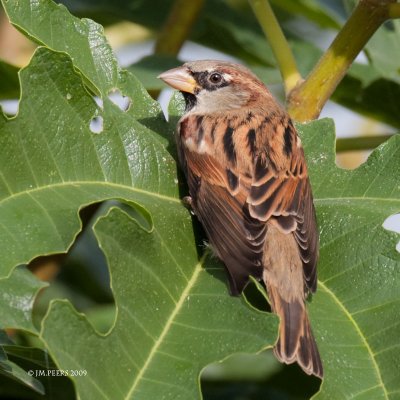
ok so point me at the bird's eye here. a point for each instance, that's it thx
(215, 78)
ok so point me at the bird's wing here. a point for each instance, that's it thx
(234, 207)
(234, 235)
(281, 193)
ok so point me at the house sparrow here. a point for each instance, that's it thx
(249, 187)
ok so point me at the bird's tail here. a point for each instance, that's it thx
(296, 341)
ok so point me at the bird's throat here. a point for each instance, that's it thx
(190, 100)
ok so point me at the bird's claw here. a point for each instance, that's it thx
(187, 201)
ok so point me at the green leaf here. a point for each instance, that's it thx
(36, 356)
(9, 85)
(384, 42)
(16, 373)
(148, 13)
(355, 311)
(39, 366)
(17, 295)
(226, 31)
(12, 371)
(84, 41)
(102, 317)
(3, 355)
(174, 315)
(63, 165)
(378, 99)
(3, 339)
(313, 10)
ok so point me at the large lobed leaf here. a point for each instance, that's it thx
(355, 312)
(58, 165)
(48, 172)
(11, 370)
(21, 366)
(17, 295)
(173, 315)
(173, 312)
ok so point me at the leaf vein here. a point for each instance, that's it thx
(395, 346)
(173, 259)
(363, 338)
(167, 326)
(364, 391)
(79, 366)
(6, 183)
(376, 307)
(386, 328)
(48, 216)
(77, 184)
(137, 322)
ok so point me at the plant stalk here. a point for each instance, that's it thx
(279, 45)
(305, 102)
(360, 143)
(177, 27)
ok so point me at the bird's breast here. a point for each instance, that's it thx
(229, 139)
(194, 135)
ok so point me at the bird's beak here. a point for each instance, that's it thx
(180, 79)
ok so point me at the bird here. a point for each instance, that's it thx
(248, 185)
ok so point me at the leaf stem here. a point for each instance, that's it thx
(360, 143)
(177, 27)
(305, 102)
(279, 45)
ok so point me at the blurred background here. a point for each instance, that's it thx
(149, 37)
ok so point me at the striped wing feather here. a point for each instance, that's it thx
(285, 196)
(234, 209)
(233, 233)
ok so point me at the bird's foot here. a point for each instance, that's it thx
(187, 201)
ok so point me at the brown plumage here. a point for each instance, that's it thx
(249, 187)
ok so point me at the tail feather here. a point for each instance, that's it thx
(296, 341)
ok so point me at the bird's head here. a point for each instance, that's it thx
(216, 86)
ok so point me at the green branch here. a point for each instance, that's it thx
(305, 102)
(277, 41)
(177, 27)
(360, 143)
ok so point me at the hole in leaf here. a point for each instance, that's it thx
(256, 376)
(351, 159)
(164, 99)
(121, 101)
(99, 101)
(9, 107)
(81, 275)
(392, 223)
(257, 298)
(96, 124)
